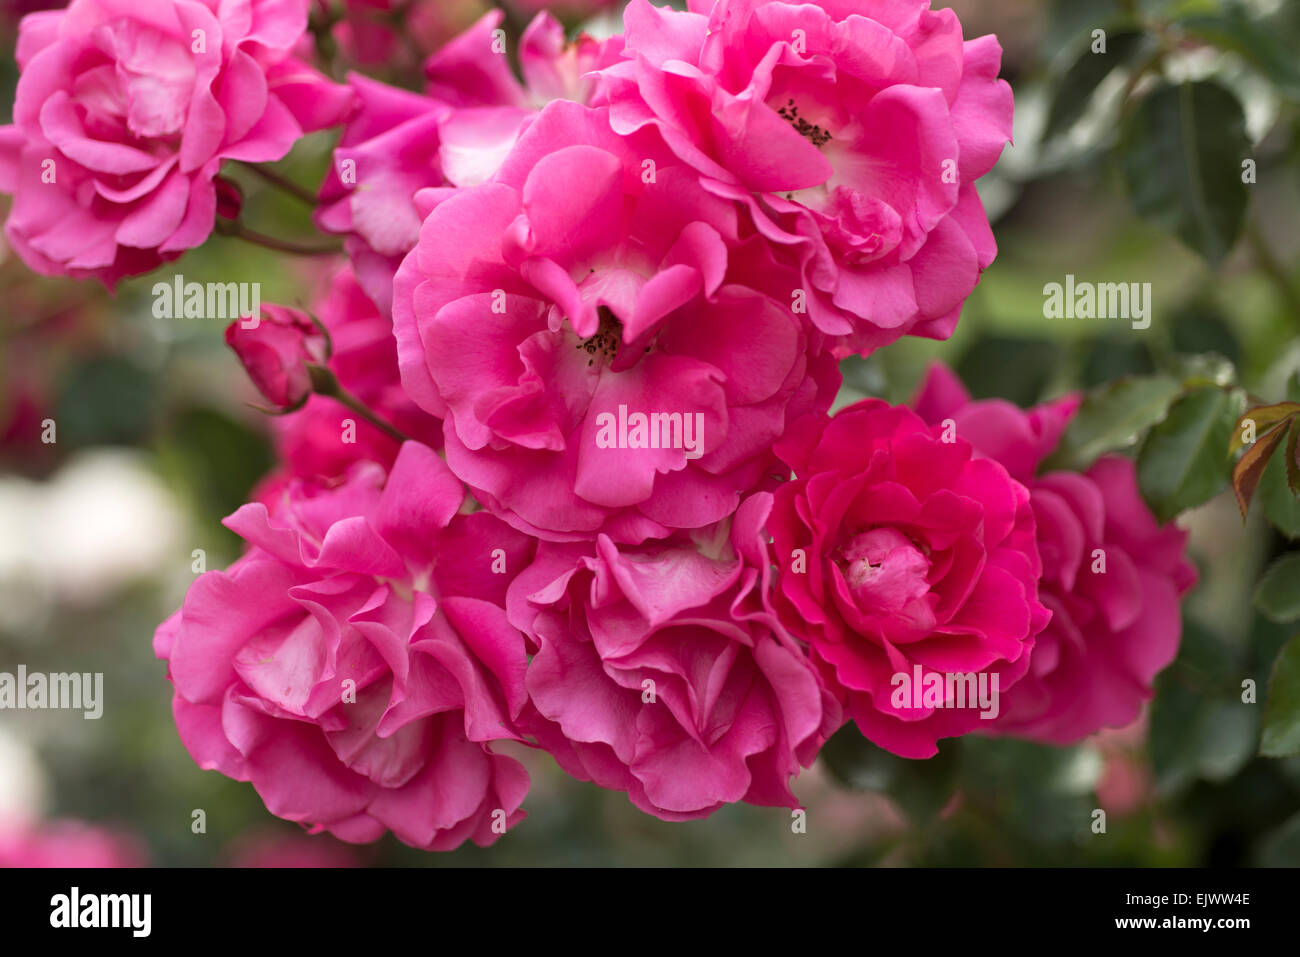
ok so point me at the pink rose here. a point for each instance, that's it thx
(356, 663)
(592, 280)
(855, 131)
(1113, 576)
(124, 113)
(67, 843)
(659, 672)
(316, 441)
(277, 351)
(905, 559)
(398, 142)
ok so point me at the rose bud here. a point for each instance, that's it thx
(276, 352)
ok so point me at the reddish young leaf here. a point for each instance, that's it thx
(1265, 417)
(1246, 474)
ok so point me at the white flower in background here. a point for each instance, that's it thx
(22, 782)
(102, 521)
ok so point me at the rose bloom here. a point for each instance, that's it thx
(356, 663)
(855, 130)
(398, 142)
(902, 554)
(1113, 576)
(124, 113)
(658, 670)
(324, 438)
(579, 285)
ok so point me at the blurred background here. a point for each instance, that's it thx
(156, 441)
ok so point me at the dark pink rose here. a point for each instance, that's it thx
(1113, 577)
(904, 558)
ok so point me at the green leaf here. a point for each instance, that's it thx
(1080, 81)
(1114, 416)
(921, 788)
(1193, 737)
(1278, 594)
(1281, 736)
(1184, 462)
(1181, 150)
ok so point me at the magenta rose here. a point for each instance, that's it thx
(904, 558)
(659, 672)
(855, 131)
(590, 292)
(124, 113)
(1113, 576)
(356, 663)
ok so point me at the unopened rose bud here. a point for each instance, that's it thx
(277, 352)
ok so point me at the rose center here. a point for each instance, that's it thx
(884, 569)
(812, 132)
(604, 344)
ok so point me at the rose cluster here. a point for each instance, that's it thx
(558, 469)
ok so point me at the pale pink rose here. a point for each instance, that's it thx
(68, 843)
(356, 663)
(904, 558)
(577, 288)
(124, 113)
(855, 131)
(1113, 576)
(398, 142)
(658, 670)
